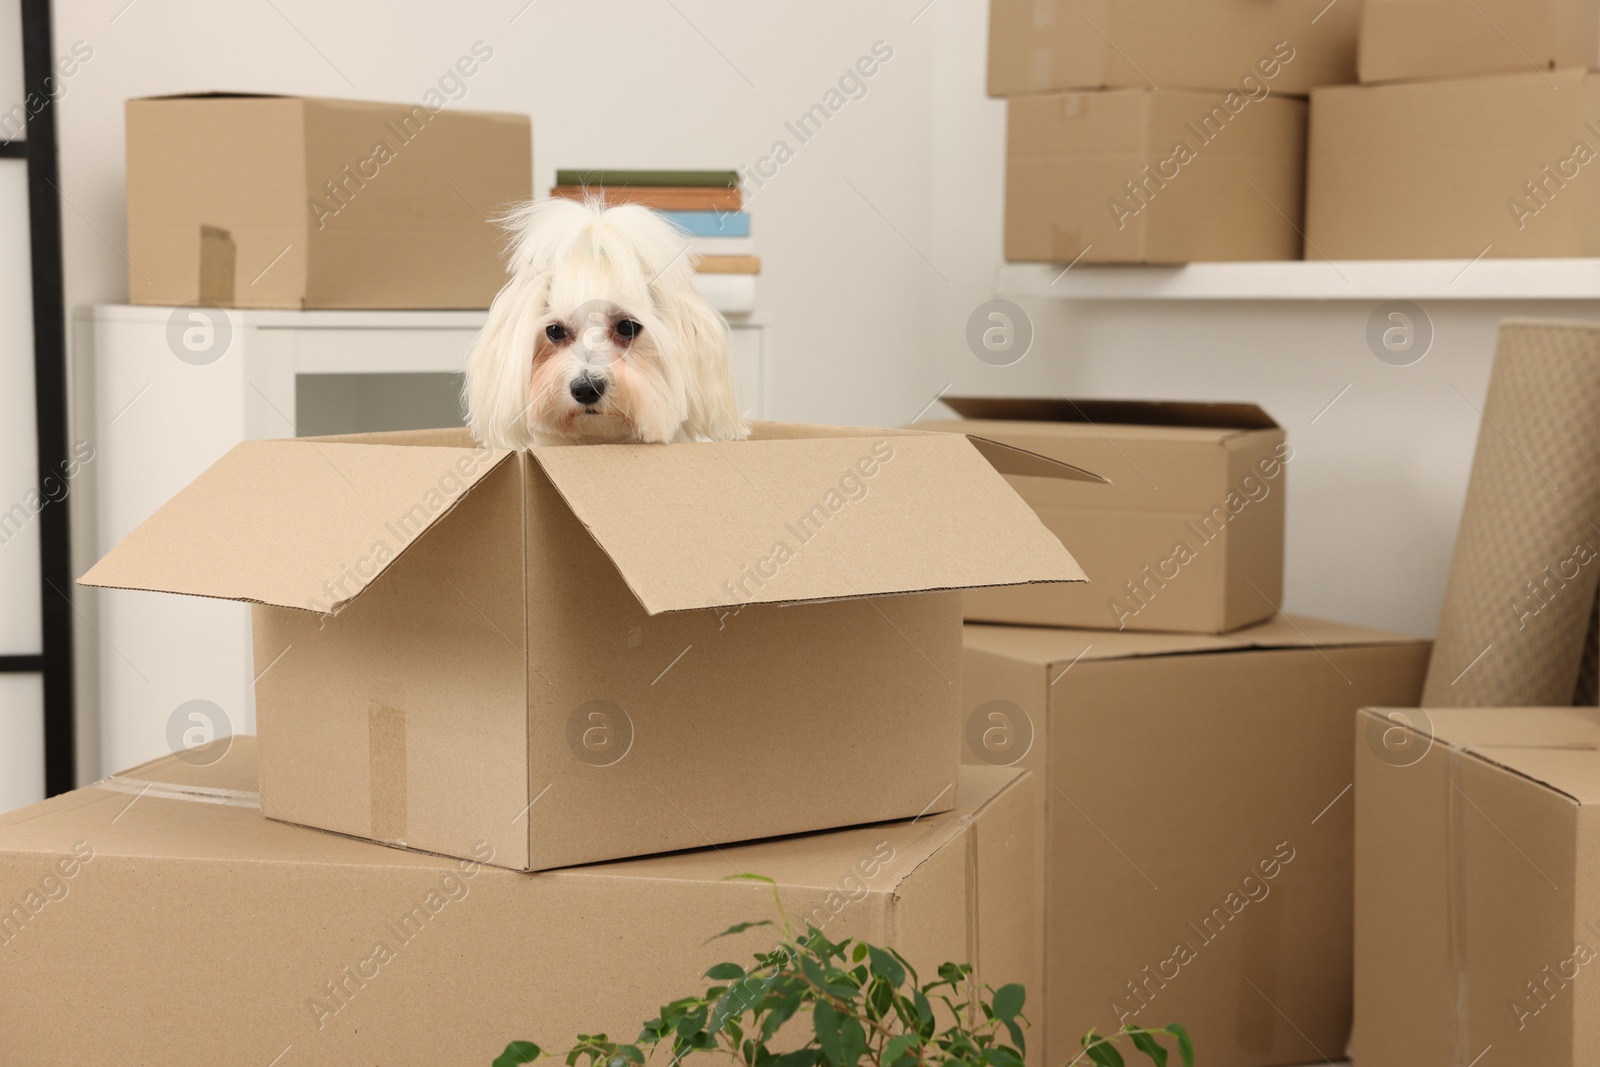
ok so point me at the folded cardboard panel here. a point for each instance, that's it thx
(1198, 822)
(458, 645)
(1188, 534)
(1293, 45)
(1477, 898)
(1492, 166)
(1412, 39)
(291, 202)
(128, 907)
(1154, 176)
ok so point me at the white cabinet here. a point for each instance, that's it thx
(164, 392)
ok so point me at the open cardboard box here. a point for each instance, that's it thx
(1188, 535)
(165, 891)
(582, 653)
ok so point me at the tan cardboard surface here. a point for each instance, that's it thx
(1411, 39)
(1077, 182)
(1196, 793)
(318, 203)
(1035, 45)
(1476, 898)
(678, 521)
(272, 521)
(458, 655)
(1206, 477)
(1376, 153)
(179, 902)
(1526, 566)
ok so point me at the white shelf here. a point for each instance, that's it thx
(1413, 279)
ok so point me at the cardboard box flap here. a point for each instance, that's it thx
(1182, 414)
(1047, 646)
(1002, 456)
(294, 523)
(1558, 748)
(787, 521)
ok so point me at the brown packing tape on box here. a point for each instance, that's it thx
(1524, 575)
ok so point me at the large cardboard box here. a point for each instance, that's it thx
(1494, 166)
(1154, 176)
(1477, 891)
(292, 202)
(1407, 39)
(547, 650)
(1038, 45)
(158, 916)
(1188, 535)
(1197, 819)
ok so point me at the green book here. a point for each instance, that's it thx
(668, 179)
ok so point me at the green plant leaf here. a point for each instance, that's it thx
(1008, 1001)
(1185, 1045)
(1101, 1051)
(517, 1053)
(826, 1022)
(852, 1040)
(886, 966)
(1147, 1045)
(726, 972)
(924, 1014)
(806, 1057)
(1016, 1035)
(896, 1049)
(779, 1014)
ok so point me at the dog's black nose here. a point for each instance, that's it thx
(588, 391)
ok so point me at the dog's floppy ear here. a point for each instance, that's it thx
(500, 368)
(702, 338)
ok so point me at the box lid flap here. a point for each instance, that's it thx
(804, 519)
(1048, 646)
(1559, 748)
(295, 523)
(1184, 414)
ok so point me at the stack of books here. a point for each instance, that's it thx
(705, 204)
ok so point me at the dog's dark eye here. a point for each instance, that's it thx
(556, 332)
(627, 329)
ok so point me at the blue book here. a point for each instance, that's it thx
(712, 223)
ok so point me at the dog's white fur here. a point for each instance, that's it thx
(583, 277)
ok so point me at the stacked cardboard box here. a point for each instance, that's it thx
(497, 664)
(1471, 134)
(1198, 830)
(1160, 132)
(241, 200)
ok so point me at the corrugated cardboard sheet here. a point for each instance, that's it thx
(1527, 559)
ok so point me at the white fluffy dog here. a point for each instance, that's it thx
(599, 336)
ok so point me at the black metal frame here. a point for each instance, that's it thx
(55, 660)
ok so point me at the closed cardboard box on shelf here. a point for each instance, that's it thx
(1197, 820)
(1154, 176)
(1039, 45)
(1496, 166)
(1477, 896)
(1188, 535)
(238, 200)
(545, 650)
(1413, 39)
(134, 907)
